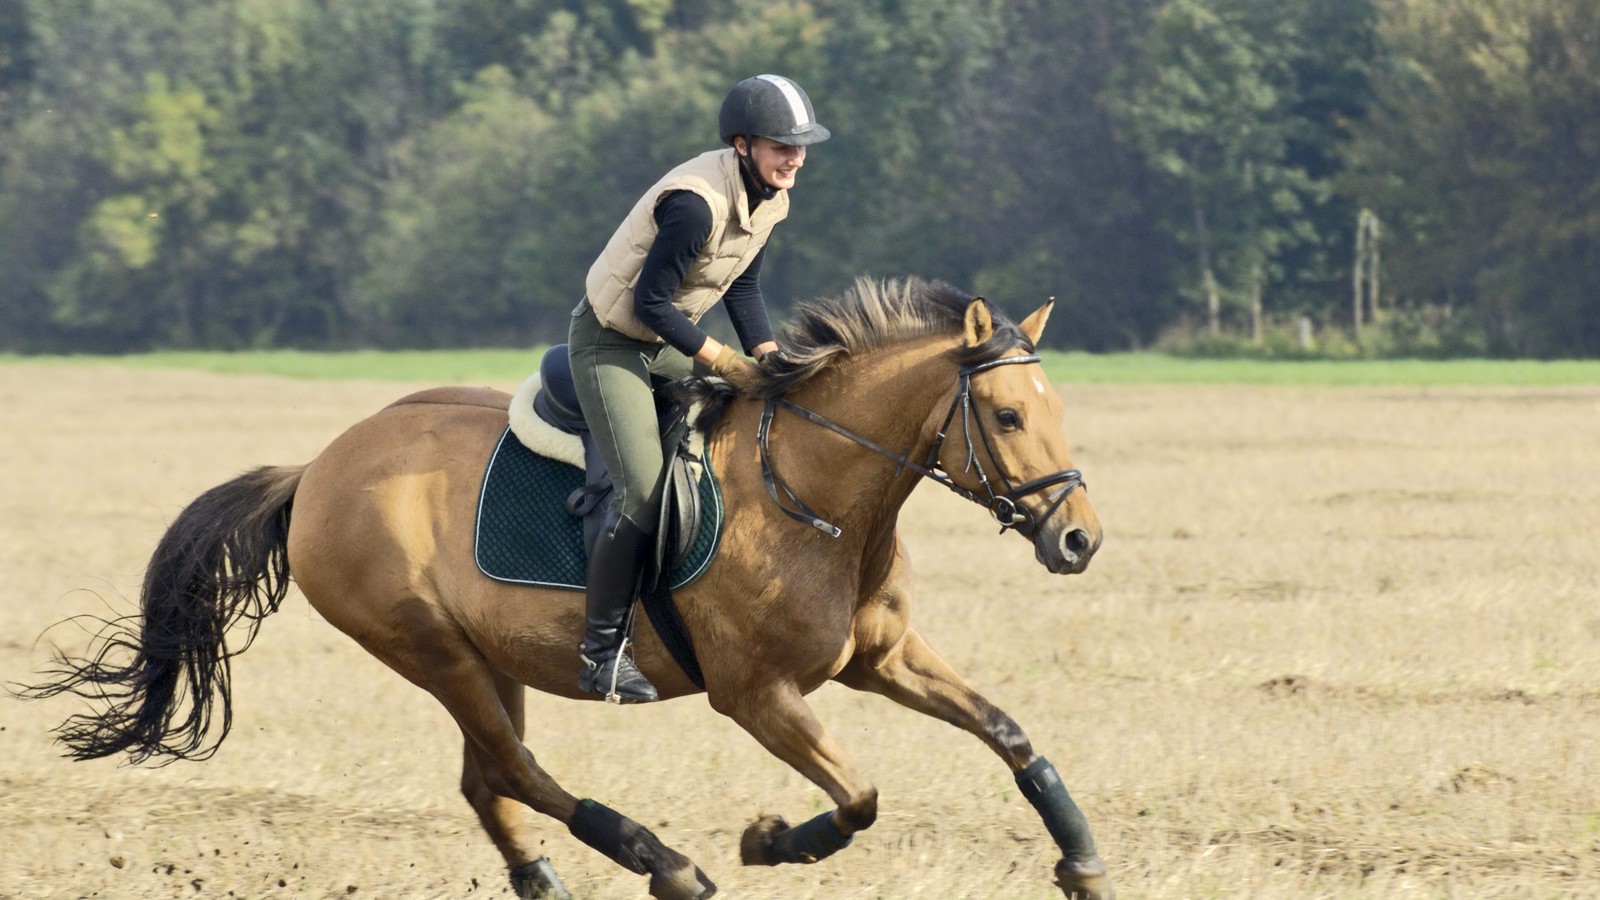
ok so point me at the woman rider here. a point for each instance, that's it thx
(697, 236)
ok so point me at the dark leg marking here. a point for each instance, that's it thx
(637, 849)
(1041, 784)
(772, 842)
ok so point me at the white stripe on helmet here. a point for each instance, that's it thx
(792, 94)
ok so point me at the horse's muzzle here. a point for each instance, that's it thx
(1068, 551)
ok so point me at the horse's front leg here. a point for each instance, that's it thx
(778, 716)
(909, 672)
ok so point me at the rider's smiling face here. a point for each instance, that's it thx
(776, 163)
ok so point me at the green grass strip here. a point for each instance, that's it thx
(432, 366)
(478, 366)
(1151, 368)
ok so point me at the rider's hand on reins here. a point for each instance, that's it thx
(738, 370)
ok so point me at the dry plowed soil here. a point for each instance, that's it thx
(1340, 642)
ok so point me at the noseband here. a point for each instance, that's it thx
(1003, 506)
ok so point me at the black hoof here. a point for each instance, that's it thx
(1084, 880)
(687, 883)
(537, 880)
(755, 846)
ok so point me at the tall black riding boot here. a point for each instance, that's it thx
(615, 565)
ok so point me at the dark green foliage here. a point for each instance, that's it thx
(1058, 201)
(1483, 152)
(432, 173)
(16, 54)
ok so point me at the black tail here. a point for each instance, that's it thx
(224, 559)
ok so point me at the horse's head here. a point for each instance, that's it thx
(1004, 441)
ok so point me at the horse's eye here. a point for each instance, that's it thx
(1008, 419)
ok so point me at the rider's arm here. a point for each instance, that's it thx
(684, 222)
(748, 309)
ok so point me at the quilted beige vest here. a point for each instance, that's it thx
(736, 237)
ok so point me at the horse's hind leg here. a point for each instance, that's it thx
(532, 877)
(909, 672)
(446, 665)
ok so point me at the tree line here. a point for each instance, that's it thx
(388, 173)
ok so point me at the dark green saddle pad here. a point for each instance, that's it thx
(526, 536)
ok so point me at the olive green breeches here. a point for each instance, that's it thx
(615, 377)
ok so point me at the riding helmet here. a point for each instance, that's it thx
(773, 107)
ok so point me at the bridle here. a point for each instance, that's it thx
(1003, 506)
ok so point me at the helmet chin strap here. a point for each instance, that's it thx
(753, 179)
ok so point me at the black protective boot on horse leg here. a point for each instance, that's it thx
(615, 564)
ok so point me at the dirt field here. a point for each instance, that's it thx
(1339, 643)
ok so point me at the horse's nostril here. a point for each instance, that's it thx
(1077, 542)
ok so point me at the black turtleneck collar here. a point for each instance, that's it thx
(753, 186)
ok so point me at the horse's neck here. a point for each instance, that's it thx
(888, 397)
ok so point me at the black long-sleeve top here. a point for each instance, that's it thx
(684, 222)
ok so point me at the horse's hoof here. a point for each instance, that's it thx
(755, 847)
(687, 883)
(1084, 880)
(537, 880)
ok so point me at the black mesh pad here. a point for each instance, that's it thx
(526, 536)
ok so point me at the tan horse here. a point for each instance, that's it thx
(892, 380)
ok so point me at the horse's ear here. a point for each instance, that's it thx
(980, 325)
(1033, 325)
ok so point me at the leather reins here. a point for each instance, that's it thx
(1003, 506)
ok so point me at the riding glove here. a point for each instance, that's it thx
(738, 370)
